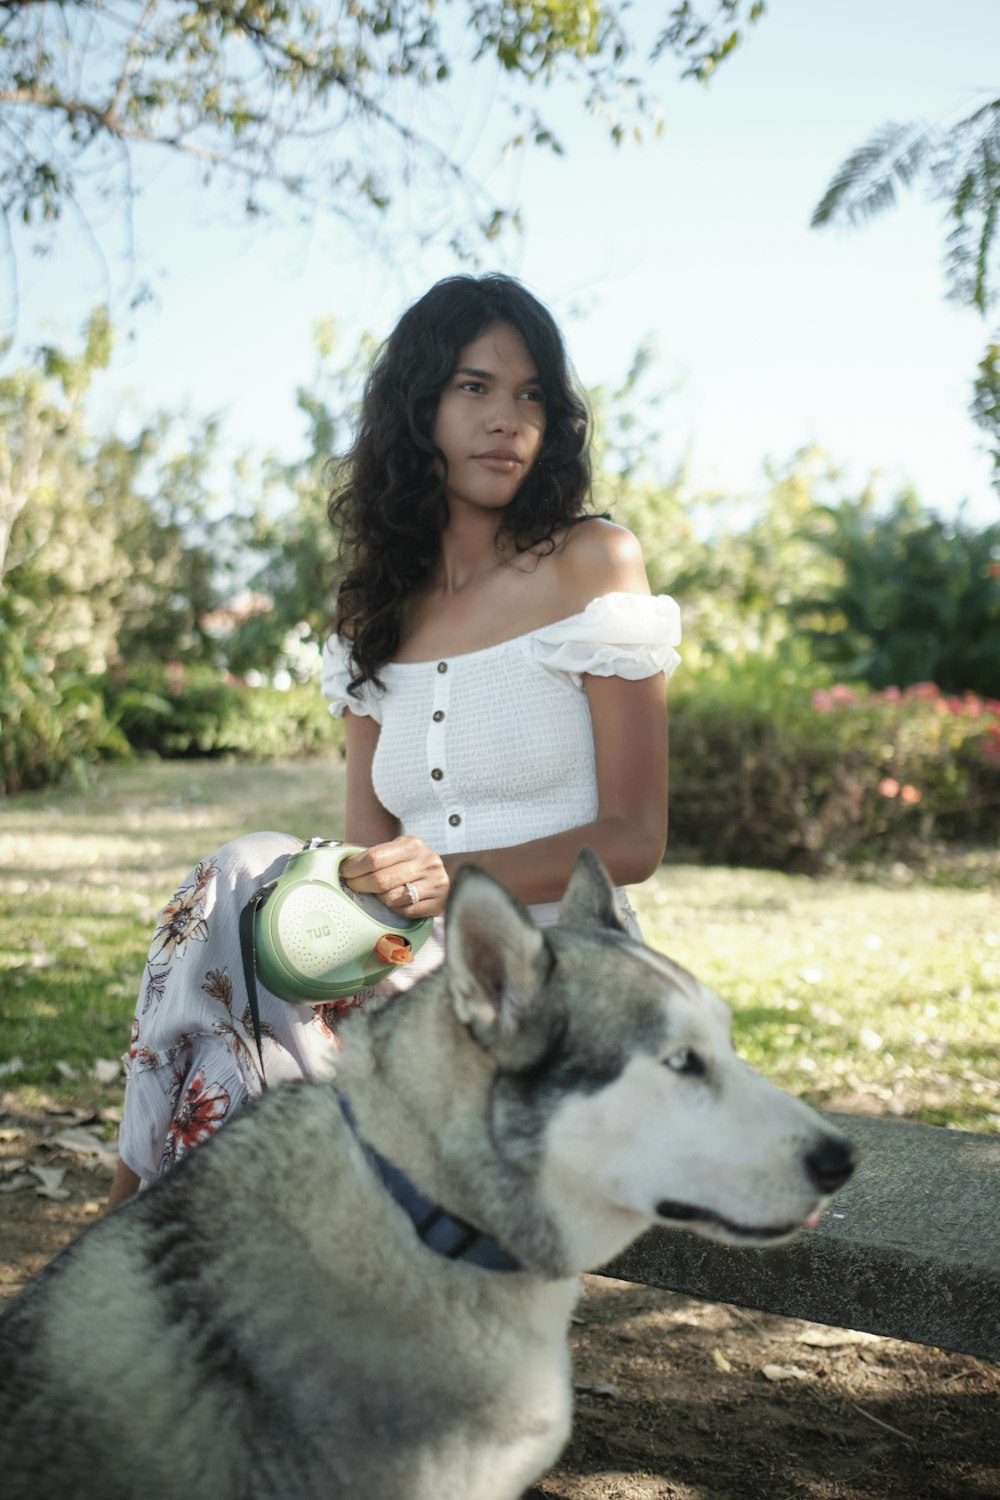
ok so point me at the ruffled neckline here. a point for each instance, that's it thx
(614, 599)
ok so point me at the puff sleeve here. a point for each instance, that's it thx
(617, 635)
(335, 677)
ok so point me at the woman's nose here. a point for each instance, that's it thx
(502, 416)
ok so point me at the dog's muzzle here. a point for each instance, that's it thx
(828, 1166)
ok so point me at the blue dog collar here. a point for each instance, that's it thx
(440, 1231)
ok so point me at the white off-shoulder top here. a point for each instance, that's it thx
(491, 748)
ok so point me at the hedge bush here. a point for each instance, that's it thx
(917, 597)
(50, 726)
(766, 773)
(174, 710)
(49, 731)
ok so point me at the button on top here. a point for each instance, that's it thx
(454, 820)
(438, 715)
(442, 666)
(437, 774)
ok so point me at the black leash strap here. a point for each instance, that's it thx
(248, 953)
(247, 950)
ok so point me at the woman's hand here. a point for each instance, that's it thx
(395, 871)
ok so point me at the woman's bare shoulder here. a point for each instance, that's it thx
(599, 557)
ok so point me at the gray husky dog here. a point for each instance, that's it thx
(364, 1288)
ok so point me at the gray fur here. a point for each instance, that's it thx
(264, 1322)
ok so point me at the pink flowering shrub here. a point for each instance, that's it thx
(763, 772)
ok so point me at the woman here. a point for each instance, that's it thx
(499, 663)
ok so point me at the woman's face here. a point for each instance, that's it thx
(490, 420)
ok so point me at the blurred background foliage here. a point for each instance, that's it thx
(839, 693)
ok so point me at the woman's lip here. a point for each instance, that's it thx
(504, 463)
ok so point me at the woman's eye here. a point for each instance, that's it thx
(532, 396)
(687, 1062)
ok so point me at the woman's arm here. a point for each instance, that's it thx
(366, 821)
(390, 859)
(124, 1185)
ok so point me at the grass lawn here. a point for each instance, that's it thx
(870, 995)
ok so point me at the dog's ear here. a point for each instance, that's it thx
(497, 964)
(590, 897)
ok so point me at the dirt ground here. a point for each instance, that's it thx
(675, 1398)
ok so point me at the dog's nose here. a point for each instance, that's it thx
(830, 1163)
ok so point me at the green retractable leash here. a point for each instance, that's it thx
(308, 938)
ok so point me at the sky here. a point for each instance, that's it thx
(769, 336)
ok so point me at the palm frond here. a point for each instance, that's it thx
(967, 175)
(866, 183)
(985, 119)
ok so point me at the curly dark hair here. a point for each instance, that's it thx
(390, 507)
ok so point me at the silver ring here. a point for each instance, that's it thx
(412, 894)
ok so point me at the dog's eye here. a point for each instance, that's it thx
(687, 1062)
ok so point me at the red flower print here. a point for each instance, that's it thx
(199, 1113)
(141, 1060)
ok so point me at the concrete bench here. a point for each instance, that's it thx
(910, 1248)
